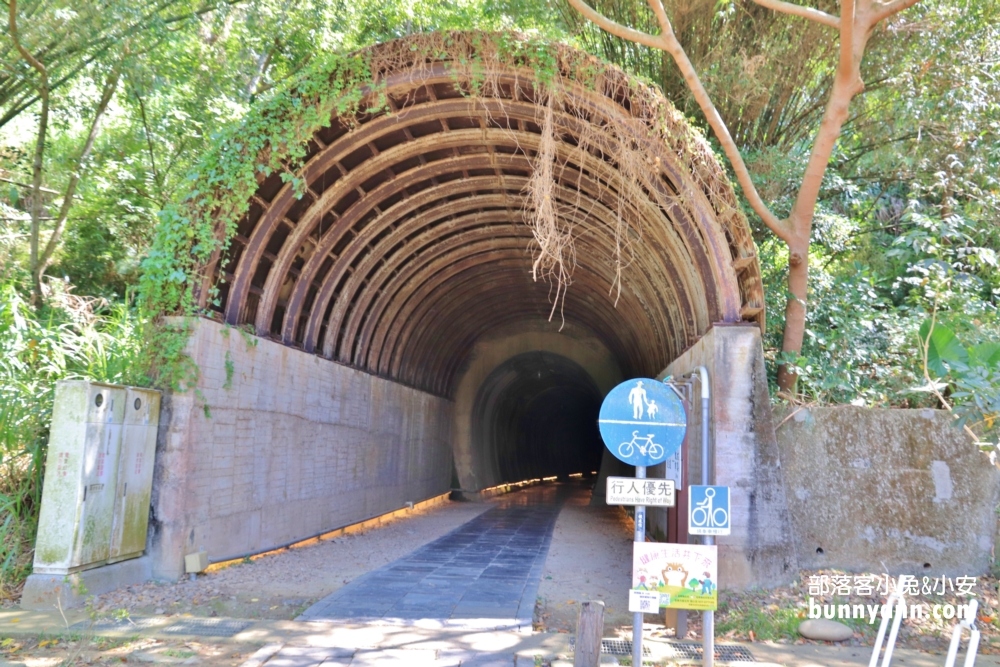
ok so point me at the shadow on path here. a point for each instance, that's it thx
(484, 574)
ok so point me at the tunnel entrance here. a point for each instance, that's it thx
(386, 218)
(535, 416)
(377, 227)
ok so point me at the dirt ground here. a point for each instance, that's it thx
(281, 585)
(590, 558)
(775, 614)
(274, 586)
(85, 649)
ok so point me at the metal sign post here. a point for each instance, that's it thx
(640, 536)
(708, 617)
(642, 422)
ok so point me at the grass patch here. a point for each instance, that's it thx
(766, 623)
(178, 653)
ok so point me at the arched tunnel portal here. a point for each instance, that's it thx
(400, 239)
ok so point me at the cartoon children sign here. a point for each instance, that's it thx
(685, 575)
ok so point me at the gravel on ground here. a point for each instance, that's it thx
(84, 649)
(281, 584)
(590, 558)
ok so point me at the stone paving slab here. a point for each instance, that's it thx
(483, 574)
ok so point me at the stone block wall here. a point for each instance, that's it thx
(895, 491)
(290, 446)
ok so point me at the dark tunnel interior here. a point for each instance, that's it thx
(536, 416)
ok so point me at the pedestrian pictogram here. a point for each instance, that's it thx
(708, 510)
(642, 422)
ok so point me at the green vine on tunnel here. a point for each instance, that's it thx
(194, 233)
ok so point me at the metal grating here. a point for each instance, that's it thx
(620, 647)
(206, 627)
(723, 652)
(117, 624)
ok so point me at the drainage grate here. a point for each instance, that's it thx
(206, 627)
(723, 652)
(620, 647)
(117, 624)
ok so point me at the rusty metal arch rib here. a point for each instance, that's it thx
(468, 315)
(675, 279)
(587, 186)
(374, 283)
(398, 314)
(407, 242)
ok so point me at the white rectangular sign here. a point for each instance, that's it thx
(648, 602)
(633, 491)
(673, 469)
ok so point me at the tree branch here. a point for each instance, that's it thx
(887, 9)
(803, 12)
(617, 29)
(39, 154)
(46, 257)
(846, 26)
(149, 137)
(12, 24)
(102, 45)
(671, 45)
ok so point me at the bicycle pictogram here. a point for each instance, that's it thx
(650, 448)
(704, 515)
(642, 421)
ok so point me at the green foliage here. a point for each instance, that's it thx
(65, 340)
(969, 374)
(230, 371)
(943, 348)
(273, 138)
(767, 623)
(874, 283)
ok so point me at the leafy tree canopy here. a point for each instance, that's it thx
(907, 222)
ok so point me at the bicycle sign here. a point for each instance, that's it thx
(642, 422)
(708, 510)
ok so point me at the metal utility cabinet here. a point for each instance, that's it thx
(98, 477)
(135, 474)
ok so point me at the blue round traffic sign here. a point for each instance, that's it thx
(642, 422)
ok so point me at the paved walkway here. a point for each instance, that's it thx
(483, 575)
(440, 607)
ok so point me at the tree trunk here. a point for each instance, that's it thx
(36, 193)
(795, 312)
(40, 262)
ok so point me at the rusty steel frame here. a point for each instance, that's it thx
(438, 252)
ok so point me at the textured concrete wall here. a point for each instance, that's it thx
(759, 552)
(295, 445)
(897, 490)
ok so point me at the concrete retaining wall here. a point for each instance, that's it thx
(902, 491)
(295, 445)
(759, 552)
